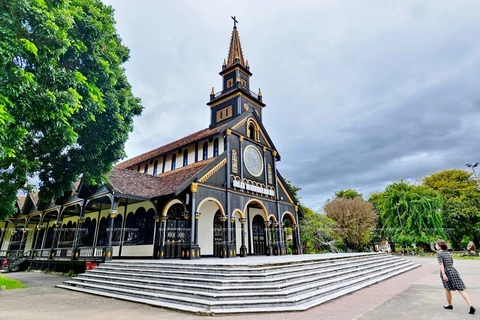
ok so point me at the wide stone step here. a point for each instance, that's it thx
(245, 294)
(208, 288)
(202, 276)
(261, 285)
(295, 302)
(161, 265)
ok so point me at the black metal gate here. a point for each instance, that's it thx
(177, 231)
(258, 231)
(217, 234)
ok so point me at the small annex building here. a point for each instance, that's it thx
(216, 192)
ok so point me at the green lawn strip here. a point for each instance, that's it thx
(11, 283)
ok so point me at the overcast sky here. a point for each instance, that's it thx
(359, 94)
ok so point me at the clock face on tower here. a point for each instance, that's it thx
(253, 161)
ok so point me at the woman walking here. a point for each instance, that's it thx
(450, 278)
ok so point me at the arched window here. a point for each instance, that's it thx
(215, 147)
(234, 161)
(185, 158)
(252, 130)
(117, 230)
(205, 150)
(88, 232)
(270, 173)
(146, 168)
(174, 162)
(102, 232)
(141, 219)
(149, 227)
(155, 167)
(49, 241)
(131, 232)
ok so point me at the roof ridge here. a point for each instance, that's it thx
(169, 147)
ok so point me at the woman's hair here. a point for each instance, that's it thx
(442, 244)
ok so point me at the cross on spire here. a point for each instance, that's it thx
(234, 22)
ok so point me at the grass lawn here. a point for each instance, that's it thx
(11, 283)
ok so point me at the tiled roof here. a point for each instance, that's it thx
(235, 50)
(129, 182)
(169, 147)
(34, 196)
(21, 200)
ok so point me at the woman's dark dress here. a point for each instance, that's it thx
(454, 281)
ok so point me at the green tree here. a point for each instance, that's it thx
(66, 106)
(317, 232)
(461, 212)
(410, 214)
(293, 189)
(354, 220)
(348, 194)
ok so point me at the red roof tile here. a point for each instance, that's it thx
(129, 182)
(169, 147)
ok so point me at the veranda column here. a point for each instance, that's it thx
(268, 247)
(280, 242)
(275, 246)
(223, 247)
(39, 228)
(191, 250)
(109, 248)
(232, 245)
(76, 241)
(243, 249)
(197, 216)
(53, 251)
(295, 241)
(161, 238)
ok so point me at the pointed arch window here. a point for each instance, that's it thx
(155, 167)
(215, 147)
(205, 150)
(234, 161)
(270, 173)
(252, 130)
(145, 170)
(185, 158)
(174, 161)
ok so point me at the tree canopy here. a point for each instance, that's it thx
(409, 213)
(66, 106)
(461, 212)
(348, 194)
(354, 220)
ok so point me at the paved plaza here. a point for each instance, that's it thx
(417, 294)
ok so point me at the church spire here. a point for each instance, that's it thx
(235, 54)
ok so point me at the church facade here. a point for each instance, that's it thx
(216, 192)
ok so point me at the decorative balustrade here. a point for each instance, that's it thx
(91, 253)
(253, 94)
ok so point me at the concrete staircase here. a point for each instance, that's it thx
(254, 284)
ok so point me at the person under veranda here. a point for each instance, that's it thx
(450, 277)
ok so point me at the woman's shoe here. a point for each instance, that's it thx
(472, 310)
(450, 307)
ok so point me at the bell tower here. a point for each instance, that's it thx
(235, 96)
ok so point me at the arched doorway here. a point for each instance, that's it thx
(258, 235)
(217, 234)
(210, 230)
(176, 231)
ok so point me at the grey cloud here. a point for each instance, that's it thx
(358, 94)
